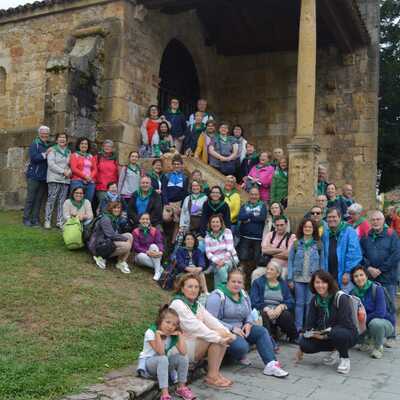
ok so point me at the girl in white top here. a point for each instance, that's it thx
(204, 334)
(164, 351)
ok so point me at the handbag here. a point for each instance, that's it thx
(227, 167)
(105, 248)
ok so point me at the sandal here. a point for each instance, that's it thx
(224, 379)
(217, 383)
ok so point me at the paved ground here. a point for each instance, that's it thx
(368, 379)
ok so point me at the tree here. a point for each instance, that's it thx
(389, 107)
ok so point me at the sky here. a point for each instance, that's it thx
(13, 3)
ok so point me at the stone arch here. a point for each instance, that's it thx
(180, 78)
(3, 81)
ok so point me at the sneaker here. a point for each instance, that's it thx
(365, 347)
(185, 393)
(100, 262)
(377, 353)
(157, 275)
(273, 368)
(123, 267)
(390, 343)
(344, 366)
(47, 225)
(332, 358)
(245, 361)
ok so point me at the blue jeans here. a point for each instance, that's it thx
(89, 188)
(303, 298)
(258, 336)
(392, 290)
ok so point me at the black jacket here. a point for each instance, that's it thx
(208, 211)
(154, 208)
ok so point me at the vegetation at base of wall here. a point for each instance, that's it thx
(63, 322)
(389, 106)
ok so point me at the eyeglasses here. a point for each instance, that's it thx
(315, 213)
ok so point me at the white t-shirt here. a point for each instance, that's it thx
(148, 351)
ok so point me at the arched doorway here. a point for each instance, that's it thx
(178, 78)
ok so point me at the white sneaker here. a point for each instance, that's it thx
(377, 353)
(344, 366)
(245, 361)
(390, 343)
(47, 225)
(123, 267)
(158, 274)
(332, 358)
(100, 262)
(273, 368)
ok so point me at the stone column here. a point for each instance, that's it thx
(303, 152)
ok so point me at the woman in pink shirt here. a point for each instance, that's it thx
(261, 176)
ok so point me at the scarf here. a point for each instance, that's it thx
(359, 222)
(216, 206)
(251, 157)
(113, 196)
(360, 292)
(85, 154)
(331, 203)
(197, 196)
(113, 218)
(177, 112)
(259, 165)
(199, 130)
(112, 156)
(153, 175)
(143, 196)
(229, 194)
(281, 173)
(205, 187)
(65, 153)
(277, 287)
(222, 138)
(174, 338)
(144, 229)
(134, 168)
(324, 303)
(336, 232)
(37, 140)
(224, 289)
(376, 234)
(254, 205)
(215, 236)
(76, 204)
(308, 243)
(193, 306)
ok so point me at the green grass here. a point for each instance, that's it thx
(63, 322)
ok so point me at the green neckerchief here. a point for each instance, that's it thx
(360, 292)
(341, 227)
(65, 153)
(153, 174)
(267, 164)
(215, 236)
(277, 287)
(283, 216)
(144, 229)
(308, 243)
(254, 205)
(134, 168)
(85, 154)
(76, 204)
(108, 157)
(143, 196)
(224, 289)
(252, 157)
(324, 303)
(359, 222)
(178, 111)
(174, 338)
(375, 234)
(280, 172)
(197, 196)
(321, 187)
(199, 130)
(193, 306)
(217, 206)
(113, 218)
(205, 187)
(331, 203)
(229, 194)
(37, 140)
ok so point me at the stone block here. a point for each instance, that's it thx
(16, 158)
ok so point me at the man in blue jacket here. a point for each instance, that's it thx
(381, 254)
(341, 248)
(36, 177)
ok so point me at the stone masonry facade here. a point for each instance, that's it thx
(91, 68)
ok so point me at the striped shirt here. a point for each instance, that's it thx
(221, 248)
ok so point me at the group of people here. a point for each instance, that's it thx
(302, 286)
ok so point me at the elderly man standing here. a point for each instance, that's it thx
(381, 254)
(36, 175)
(322, 180)
(341, 248)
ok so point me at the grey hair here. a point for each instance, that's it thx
(43, 128)
(108, 141)
(277, 266)
(322, 167)
(355, 208)
(378, 212)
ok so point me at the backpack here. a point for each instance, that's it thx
(264, 259)
(223, 300)
(390, 307)
(72, 234)
(168, 276)
(358, 313)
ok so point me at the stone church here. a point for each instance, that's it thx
(298, 74)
